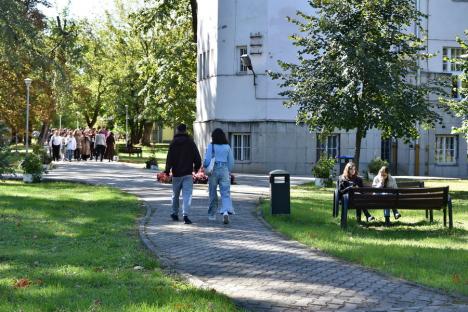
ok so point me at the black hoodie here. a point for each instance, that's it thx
(183, 156)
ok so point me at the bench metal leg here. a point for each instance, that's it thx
(445, 217)
(431, 216)
(427, 214)
(334, 204)
(344, 212)
(358, 215)
(450, 214)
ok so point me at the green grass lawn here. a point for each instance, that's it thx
(412, 248)
(160, 150)
(75, 247)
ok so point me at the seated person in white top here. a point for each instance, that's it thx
(384, 180)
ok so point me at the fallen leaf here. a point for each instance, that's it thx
(22, 283)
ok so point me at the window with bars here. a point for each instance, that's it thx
(241, 51)
(446, 149)
(451, 53)
(330, 146)
(240, 143)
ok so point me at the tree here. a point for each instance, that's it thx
(168, 32)
(460, 106)
(357, 68)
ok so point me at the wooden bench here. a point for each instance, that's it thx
(131, 150)
(436, 198)
(401, 184)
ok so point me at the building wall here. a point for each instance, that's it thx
(227, 98)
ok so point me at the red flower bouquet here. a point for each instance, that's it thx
(200, 177)
(163, 177)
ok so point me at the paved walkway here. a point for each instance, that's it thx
(256, 267)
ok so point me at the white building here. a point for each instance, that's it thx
(263, 133)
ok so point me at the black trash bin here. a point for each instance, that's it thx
(343, 160)
(279, 192)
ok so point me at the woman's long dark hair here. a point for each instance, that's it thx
(218, 137)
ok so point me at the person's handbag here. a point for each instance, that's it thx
(209, 169)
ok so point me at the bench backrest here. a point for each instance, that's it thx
(407, 198)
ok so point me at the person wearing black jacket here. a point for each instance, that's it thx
(183, 158)
(350, 179)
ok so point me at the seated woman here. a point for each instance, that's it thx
(350, 179)
(384, 180)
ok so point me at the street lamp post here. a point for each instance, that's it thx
(27, 81)
(77, 122)
(60, 121)
(126, 124)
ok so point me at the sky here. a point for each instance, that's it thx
(91, 9)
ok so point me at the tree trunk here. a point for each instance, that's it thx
(44, 131)
(194, 9)
(147, 130)
(136, 131)
(357, 147)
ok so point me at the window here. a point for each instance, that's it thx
(241, 146)
(446, 149)
(331, 146)
(200, 66)
(241, 51)
(459, 87)
(204, 66)
(451, 53)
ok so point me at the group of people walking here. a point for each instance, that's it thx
(183, 158)
(350, 179)
(68, 145)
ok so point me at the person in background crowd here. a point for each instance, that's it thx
(92, 137)
(86, 146)
(71, 146)
(63, 148)
(224, 161)
(55, 142)
(110, 143)
(100, 145)
(183, 158)
(78, 139)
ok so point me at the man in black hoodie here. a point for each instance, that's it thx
(183, 158)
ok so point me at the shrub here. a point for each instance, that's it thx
(324, 166)
(6, 160)
(32, 164)
(375, 165)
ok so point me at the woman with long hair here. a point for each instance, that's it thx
(224, 161)
(350, 179)
(384, 180)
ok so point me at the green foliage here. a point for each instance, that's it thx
(356, 69)
(6, 160)
(42, 153)
(32, 164)
(460, 106)
(375, 165)
(324, 166)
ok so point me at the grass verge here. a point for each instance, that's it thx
(72, 247)
(411, 248)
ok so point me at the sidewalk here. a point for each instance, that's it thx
(245, 260)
